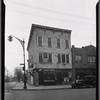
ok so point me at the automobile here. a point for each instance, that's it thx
(86, 81)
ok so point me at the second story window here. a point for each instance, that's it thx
(45, 57)
(39, 41)
(59, 58)
(91, 59)
(67, 58)
(58, 43)
(63, 58)
(78, 58)
(40, 57)
(49, 42)
(50, 58)
(66, 44)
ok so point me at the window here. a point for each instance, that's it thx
(59, 58)
(67, 58)
(63, 58)
(49, 42)
(50, 58)
(58, 43)
(78, 58)
(40, 57)
(39, 41)
(66, 44)
(91, 59)
(94, 60)
(45, 57)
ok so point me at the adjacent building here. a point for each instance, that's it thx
(83, 61)
(49, 52)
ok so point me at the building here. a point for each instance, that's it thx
(83, 61)
(49, 51)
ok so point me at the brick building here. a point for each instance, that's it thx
(83, 61)
(49, 51)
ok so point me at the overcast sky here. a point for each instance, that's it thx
(76, 15)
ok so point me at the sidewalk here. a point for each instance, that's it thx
(31, 87)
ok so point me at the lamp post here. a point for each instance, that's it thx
(10, 38)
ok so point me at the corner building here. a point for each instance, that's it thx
(49, 52)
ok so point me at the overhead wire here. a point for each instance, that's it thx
(50, 10)
(63, 20)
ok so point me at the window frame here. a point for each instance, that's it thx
(58, 43)
(40, 42)
(67, 44)
(49, 42)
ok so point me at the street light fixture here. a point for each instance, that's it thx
(10, 38)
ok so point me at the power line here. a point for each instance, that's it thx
(48, 17)
(50, 10)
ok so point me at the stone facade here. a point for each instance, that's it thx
(83, 61)
(43, 43)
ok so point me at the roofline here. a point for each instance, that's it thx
(50, 27)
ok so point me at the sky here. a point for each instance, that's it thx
(76, 15)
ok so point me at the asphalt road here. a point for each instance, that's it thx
(61, 94)
(8, 87)
(57, 94)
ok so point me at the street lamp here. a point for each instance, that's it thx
(10, 38)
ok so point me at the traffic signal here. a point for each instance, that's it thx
(10, 38)
(24, 68)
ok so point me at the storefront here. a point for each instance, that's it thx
(80, 73)
(53, 76)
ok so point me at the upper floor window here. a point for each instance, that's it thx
(78, 58)
(45, 57)
(59, 58)
(63, 58)
(91, 59)
(66, 44)
(49, 42)
(58, 43)
(39, 41)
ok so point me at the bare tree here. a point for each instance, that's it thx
(18, 72)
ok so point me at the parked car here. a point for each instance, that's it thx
(87, 81)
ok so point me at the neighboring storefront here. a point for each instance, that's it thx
(80, 73)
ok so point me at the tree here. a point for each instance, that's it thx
(19, 74)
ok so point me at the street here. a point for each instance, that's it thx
(8, 87)
(34, 93)
(61, 94)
